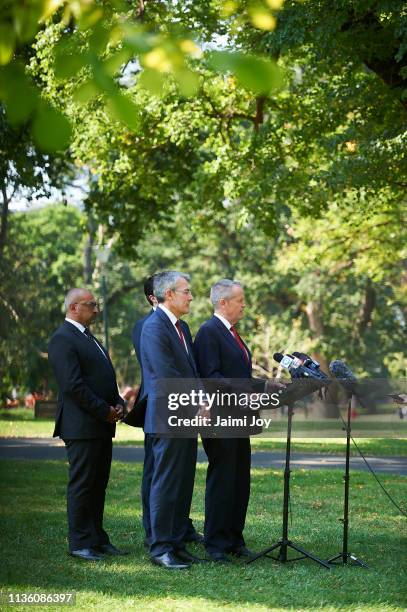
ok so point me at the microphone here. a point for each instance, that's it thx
(298, 367)
(347, 379)
(306, 380)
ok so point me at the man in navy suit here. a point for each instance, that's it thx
(88, 407)
(220, 353)
(140, 405)
(167, 353)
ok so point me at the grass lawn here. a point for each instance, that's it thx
(21, 423)
(34, 555)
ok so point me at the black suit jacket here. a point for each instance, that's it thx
(87, 385)
(136, 416)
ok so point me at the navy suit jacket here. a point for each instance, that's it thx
(87, 385)
(163, 357)
(217, 353)
(219, 357)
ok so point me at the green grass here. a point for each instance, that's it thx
(33, 536)
(21, 423)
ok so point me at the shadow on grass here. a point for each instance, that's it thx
(33, 524)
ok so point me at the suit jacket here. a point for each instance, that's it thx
(219, 357)
(136, 416)
(163, 357)
(87, 385)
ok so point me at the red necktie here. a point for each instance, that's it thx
(240, 343)
(181, 335)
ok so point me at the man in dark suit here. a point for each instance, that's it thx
(167, 353)
(140, 405)
(89, 405)
(220, 353)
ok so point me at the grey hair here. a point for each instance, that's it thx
(223, 289)
(167, 280)
(73, 295)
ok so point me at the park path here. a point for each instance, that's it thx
(53, 449)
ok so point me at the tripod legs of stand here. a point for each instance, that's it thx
(285, 543)
(343, 557)
(350, 559)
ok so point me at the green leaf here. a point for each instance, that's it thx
(188, 82)
(260, 75)
(67, 66)
(122, 109)
(7, 40)
(18, 93)
(51, 129)
(153, 81)
(85, 92)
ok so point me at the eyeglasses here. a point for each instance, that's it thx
(90, 304)
(184, 291)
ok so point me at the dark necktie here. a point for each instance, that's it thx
(240, 343)
(87, 333)
(181, 335)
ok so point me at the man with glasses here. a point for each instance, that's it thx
(89, 405)
(167, 353)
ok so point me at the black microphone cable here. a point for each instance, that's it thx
(373, 472)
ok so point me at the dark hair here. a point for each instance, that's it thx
(149, 288)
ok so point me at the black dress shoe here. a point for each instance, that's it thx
(195, 537)
(109, 549)
(219, 557)
(242, 551)
(169, 561)
(87, 553)
(187, 557)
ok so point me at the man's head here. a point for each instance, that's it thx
(149, 290)
(81, 306)
(227, 297)
(172, 290)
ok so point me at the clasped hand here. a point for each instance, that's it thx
(115, 414)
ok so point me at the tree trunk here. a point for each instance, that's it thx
(4, 218)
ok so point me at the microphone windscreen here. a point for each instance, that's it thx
(278, 357)
(340, 370)
(302, 356)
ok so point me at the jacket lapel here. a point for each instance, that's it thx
(173, 332)
(232, 342)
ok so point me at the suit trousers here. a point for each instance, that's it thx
(171, 492)
(89, 470)
(227, 492)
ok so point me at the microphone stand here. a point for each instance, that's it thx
(343, 557)
(283, 544)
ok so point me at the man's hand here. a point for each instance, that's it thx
(115, 414)
(204, 413)
(274, 387)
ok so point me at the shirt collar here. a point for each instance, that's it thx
(78, 325)
(224, 321)
(169, 314)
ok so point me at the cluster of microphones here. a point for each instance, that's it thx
(302, 366)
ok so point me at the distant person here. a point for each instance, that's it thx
(88, 407)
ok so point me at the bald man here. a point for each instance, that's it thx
(89, 405)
